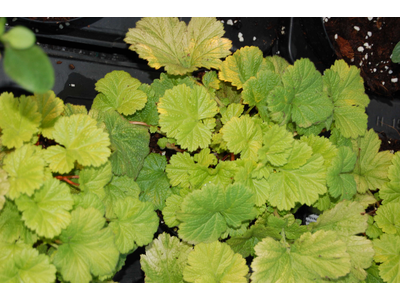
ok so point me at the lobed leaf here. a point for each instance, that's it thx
(388, 218)
(135, 224)
(47, 211)
(130, 144)
(387, 252)
(371, 169)
(93, 179)
(303, 185)
(25, 168)
(83, 142)
(242, 65)
(119, 188)
(277, 146)
(345, 87)
(341, 182)
(206, 213)
(243, 136)
(4, 187)
(87, 247)
(153, 181)
(19, 120)
(309, 259)
(188, 116)
(51, 108)
(118, 90)
(180, 49)
(302, 98)
(165, 260)
(215, 263)
(27, 266)
(390, 191)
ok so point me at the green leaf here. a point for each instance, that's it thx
(303, 185)
(345, 87)
(340, 181)
(30, 68)
(83, 142)
(244, 244)
(71, 109)
(371, 170)
(390, 191)
(345, 218)
(131, 144)
(172, 205)
(249, 174)
(4, 187)
(87, 247)
(153, 181)
(277, 63)
(93, 179)
(373, 231)
(135, 224)
(27, 266)
(396, 53)
(361, 252)
(148, 114)
(119, 91)
(50, 107)
(118, 189)
(89, 199)
(388, 218)
(180, 49)
(277, 146)
(215, 263)
(233, 110)
(187, 115)
(322, 146)
(210, 81)
(19, 120)
(165, 260)
(206, 213)
(47, 211)
(302, 98)
(178, 169)
(310, 259)
(257, 89)
(373, 274)
(19, 38)
(243, 136)
(25, 168)
(387, 252)
(12, 227)
(243, 64)
(2, 25)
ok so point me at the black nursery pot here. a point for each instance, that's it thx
(308, 37)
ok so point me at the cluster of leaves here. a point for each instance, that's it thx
(26, 63)
(256, 137)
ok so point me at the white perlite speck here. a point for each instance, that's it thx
(229, 22)
(383, 83)
(369, 33)
(360, 49)
(370, 18)
(357, 28)
(72, 85)
(254, 38)
(390, 71)
(394, 79)
(240, 36)
(336, 36)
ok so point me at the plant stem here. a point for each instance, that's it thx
(139, 123)
(65, 178)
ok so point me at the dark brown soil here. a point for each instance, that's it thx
(368, 44)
